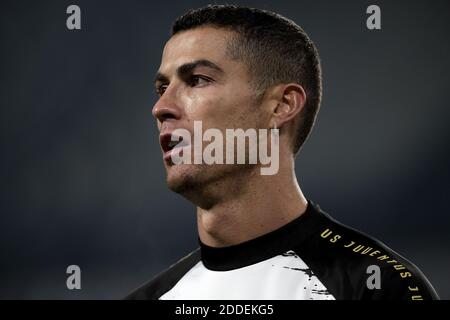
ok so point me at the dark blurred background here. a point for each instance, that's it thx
(82, 180)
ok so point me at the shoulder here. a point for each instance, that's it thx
(354, 265)
(165, 280)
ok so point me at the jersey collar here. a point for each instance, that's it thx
(263, 247)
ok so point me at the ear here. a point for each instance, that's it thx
(291, 99)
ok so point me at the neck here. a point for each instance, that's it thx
(263, 204)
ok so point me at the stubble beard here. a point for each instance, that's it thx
(205, 185)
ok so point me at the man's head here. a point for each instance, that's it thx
(274, 49)
(236, 67)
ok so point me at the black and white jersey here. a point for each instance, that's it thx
(312, 257)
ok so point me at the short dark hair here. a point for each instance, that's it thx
(274, 48)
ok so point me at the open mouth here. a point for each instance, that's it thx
(170, 142)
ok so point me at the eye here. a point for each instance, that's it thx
(199, 80)
(160, 89)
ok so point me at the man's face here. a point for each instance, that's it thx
(198, 81)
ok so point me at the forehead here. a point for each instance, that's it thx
(200, 43)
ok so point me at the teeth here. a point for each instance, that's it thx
(173, 143)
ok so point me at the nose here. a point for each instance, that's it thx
(165, 109)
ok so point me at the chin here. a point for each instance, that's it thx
(183, 178)
(196, 183)
(203, 184)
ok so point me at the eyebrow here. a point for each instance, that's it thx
(187, 68)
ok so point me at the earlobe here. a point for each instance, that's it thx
(274, 125)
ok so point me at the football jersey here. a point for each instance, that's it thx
(313, 257)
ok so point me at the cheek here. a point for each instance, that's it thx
(200, 104)
(220, 108)
(205, 106)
